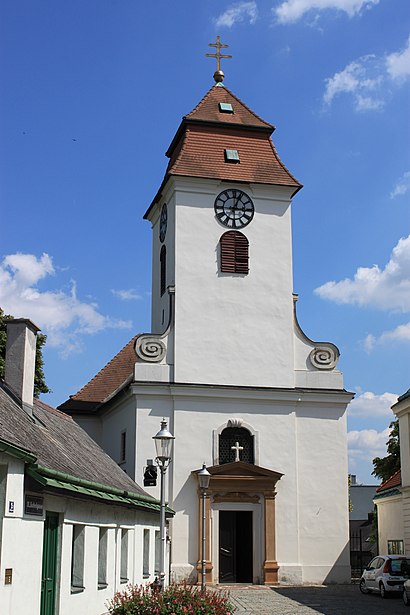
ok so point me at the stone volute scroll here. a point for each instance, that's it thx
(151, 347)
(324, 356)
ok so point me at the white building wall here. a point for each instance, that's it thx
(406, 518)
(305, 440)
(390, 520)
(323, 494)
(220, 316)
(18, 534)
(402, 411)
(107, 433)
(121, 418)
(160, 303)
(22, 549)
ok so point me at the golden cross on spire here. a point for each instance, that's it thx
(218, 74)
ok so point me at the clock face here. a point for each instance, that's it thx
(234, 208)
(163, 222)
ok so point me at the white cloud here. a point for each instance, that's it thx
(59, 313)
(362, 79)
(385, 289)
(365, 444)
(370, 404)
(369, 79)
(236, 13)
(400, 334)
(129, 294)
(290, 11)
(398, 63)
(402, 186)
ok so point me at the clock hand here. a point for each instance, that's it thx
(235, 204)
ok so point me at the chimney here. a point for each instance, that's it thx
(352, 479)
(20, 359)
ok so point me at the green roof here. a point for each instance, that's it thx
(387, 493)
(79, 486)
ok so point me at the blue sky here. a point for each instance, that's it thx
(92, 94)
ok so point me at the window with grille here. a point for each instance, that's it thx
(163, 269)
(228, 440)
(234, 252)
(395, 547)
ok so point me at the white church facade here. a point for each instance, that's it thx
(242, 388)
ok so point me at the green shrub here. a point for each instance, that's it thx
(176, 599)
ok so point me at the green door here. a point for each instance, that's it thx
(49, 571)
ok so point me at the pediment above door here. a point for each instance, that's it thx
(240, 477)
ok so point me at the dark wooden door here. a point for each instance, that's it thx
(49, 569)
(235, 546)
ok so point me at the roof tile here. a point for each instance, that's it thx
(108, 380)
(201, 154)
(208, 110)
(59, 443)
(393, 481)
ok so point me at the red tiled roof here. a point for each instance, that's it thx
(393, 481)
(208, 110)
(108, 380)
(197, 150)
(202, 154)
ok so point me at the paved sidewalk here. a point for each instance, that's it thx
(329, 600)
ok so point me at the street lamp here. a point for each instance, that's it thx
(203, 478)
(163, 444)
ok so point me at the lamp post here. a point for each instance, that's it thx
(163, 444)
(203, 479)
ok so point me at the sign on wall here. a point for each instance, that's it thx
(34, 505)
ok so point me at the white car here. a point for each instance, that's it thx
(385, 574)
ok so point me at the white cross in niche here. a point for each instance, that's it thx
(237, 448)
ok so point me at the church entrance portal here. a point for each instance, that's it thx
(235, 546)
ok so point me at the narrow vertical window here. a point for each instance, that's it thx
(77, 559)
(145, 564)
(123, 446)
(102, 558)
(124, 556)
(234, 252)
(163, 269)
(157, 551)
(395, 547)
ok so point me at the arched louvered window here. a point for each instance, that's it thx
(163, 269)
(234, 439)
(234, 250)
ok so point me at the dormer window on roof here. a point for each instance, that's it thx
(225, 107)
(232, 155)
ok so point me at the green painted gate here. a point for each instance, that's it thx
(49, 571)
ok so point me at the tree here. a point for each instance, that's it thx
(384, 467)
(39, 377)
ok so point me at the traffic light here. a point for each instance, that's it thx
(150, 475)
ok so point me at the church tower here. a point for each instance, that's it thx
(222, 237)
(222, 246)
(227, 365)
